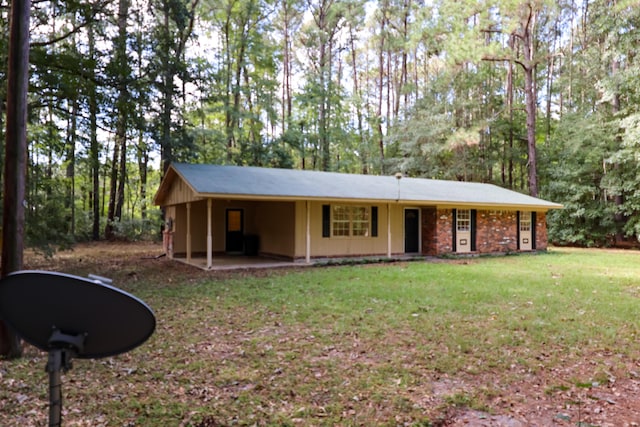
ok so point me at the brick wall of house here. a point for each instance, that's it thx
(496, 231)
(541, 231)
(429, 231)
(437, 231)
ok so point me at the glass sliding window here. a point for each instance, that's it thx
(350, 221)
(463, 219)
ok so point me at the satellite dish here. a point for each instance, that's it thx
(71, 316)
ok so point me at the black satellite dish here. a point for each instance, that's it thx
(70, 316)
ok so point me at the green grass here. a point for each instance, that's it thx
(355, 345)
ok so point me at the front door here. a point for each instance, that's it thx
(411, 231)
(526, 241)
(235, 231)
(463, 230)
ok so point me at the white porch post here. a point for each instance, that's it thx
(209, 236)
(307, 255)
(189, 232)
(388, 230)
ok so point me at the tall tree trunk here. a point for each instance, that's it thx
(15, 169)
(122, 174)
(236, 125)
(619, 217)
(364, 157)
(143, 168)
(381, 68)
(167, 74)
(228, 113)
(528, 65)
(322, 111)
(113, 186)
(94, 147)
(71, 167)
(286, 66)
(118, 166)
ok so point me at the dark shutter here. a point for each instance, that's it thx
(518, 229)
(454, 229)
(326, 221)
(374, 221)
(533, 231)
(474, 214)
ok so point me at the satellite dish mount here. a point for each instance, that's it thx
(63, 347)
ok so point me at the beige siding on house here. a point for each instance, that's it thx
(272, 222)
(347, 246)
(180, 193)
(275, 224)
(180, 229)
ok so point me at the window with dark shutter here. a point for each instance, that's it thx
(454, 229)
(533, 230)
(326, 220)
(374, 221)
(474, 216)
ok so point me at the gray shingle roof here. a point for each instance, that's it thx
(216, 180)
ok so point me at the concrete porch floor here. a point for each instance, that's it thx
(238, 262)
(243, 262)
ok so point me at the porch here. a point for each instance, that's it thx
(244, 262)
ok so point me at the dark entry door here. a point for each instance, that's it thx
(235, 231)
(411, 230)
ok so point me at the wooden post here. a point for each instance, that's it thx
(209, 236)
(307, 256)
(388, 230)
(189, 232)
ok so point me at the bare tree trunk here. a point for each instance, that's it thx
(356, 90)
(71, 167)
(111, 210)
(15, 169)
(528, 66)
(118, 166)
(143, 167)
(381, 68)
(94, 146)
(322, 113)
(550, 71)
(123, 178)
(228, 121)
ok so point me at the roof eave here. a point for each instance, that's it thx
(444, 204)
(165, 186)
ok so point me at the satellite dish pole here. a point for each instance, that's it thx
(63, 348)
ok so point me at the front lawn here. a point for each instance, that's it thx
(537, 339)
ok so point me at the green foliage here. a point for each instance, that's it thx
(132, 230)
(47, 222)
(576, 174)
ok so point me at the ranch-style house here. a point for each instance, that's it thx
(301, 215)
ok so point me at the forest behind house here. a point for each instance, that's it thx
(538, 96)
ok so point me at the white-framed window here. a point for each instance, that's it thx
(350, 221)
(463, 220)
(525, 221)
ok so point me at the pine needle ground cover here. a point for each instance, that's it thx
(547, 339)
